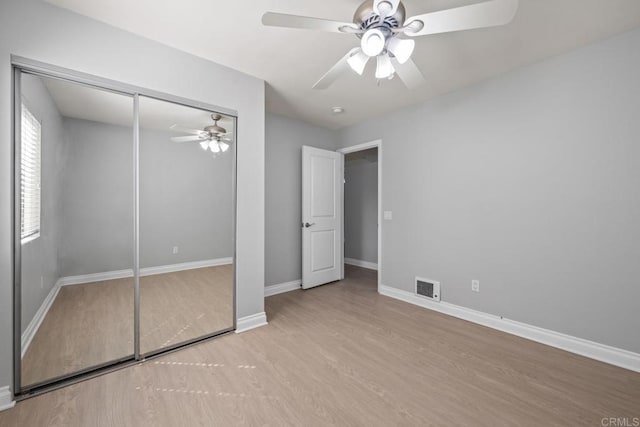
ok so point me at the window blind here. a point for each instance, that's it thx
(29, 175)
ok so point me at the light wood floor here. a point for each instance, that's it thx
(90, 324)
(341, 354)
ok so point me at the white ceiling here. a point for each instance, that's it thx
(291, 61)
(87, 103)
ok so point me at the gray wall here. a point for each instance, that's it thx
(529, 183)
(361, 209)
(63, 38)
(97, 198)
(40, 256)
(185, 200)
(285, 138)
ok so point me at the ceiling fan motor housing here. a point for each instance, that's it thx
(215, 129)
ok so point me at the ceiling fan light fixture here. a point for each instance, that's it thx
(204, 144)
(223, 146)
(358, 61)
(384, 68)
(215, 146)
(373, 42)
(401, 49)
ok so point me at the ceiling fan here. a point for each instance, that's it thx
(380, 25)
(212, 137)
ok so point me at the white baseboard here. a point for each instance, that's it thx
(94, 277)
(32, 327)
(150, 271)
(282, 288)
(604, 353)
(360, 263)
(6, 398)
(247, 323)
(147, 271)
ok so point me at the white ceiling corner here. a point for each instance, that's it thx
(88, 103)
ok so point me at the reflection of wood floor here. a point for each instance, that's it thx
(90, 324)
(341, 354)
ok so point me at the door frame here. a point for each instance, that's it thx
(377, 143)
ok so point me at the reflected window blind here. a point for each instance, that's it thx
(29, 175)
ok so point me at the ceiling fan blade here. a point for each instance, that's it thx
(408, 73)
(186, 138)
(487, 14)
(179, 128)
(334, 72)
(273, 19)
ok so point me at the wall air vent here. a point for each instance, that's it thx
(428, 289)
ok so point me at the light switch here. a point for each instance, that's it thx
(388, 215)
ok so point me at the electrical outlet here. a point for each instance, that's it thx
(175, 250)
(475, 285)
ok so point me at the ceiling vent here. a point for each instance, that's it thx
(428, 289)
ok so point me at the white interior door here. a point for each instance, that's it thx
(322, 185)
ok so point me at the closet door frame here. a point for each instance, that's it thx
(21, 66)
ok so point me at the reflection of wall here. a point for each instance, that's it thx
(361, 210)
(97, 199)
(87, 201)
(185, 200)
(39, 257)
(285, 138)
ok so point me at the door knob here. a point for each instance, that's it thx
(307, 225)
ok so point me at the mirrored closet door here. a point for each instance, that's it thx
(76, 227)
(124, 226)
(186, 224)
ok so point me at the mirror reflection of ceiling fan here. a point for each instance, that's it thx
(382, 27)
(213, 137)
